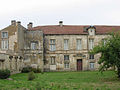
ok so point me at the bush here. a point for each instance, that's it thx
(31, 75)
(26, 69)
(4, 74)
(39, 70)
(29, 69)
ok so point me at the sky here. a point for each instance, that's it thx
(50, 12)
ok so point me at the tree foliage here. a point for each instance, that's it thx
(110, 53)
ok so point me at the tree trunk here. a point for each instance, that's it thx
(118, 72)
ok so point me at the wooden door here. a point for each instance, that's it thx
(79, 64)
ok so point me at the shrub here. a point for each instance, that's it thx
(31, 75)
(4, 74)
(29, 69)
(38, 70)
(26, 69)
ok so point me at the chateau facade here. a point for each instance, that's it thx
(51, 48)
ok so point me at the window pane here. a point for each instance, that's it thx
(66, 44)
(91, 65)
(91, 56)
(4, 34)
(34, 44)
(4, 44)
(79, 44)
(91, 43)
(66, 65)
(52, 45)
(66, 57)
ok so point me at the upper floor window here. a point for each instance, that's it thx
(4, 34)
(66, 44)
(66, 57)
(4, 44)
(79, 44)
(91, 43)
(52, 60)
(91, 56)
(52, 45)
(34, 45)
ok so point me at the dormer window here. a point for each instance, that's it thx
(91, 30)
(4, 35)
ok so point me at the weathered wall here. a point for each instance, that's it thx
(33, 56)
(16, 62)
(72, 52)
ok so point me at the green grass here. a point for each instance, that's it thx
(87, 80)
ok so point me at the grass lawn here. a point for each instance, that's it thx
(87, 80)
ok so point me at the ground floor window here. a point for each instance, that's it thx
(66, 65)
(92, 65)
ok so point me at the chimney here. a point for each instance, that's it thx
(61, 23)
(18, 23)
(30, 25)
(13, 22)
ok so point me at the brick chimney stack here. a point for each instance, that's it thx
(30, 25)
(61, 23)
(18, 23)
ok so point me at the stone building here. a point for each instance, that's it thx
(51, 48)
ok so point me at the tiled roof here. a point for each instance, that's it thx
(75, 29)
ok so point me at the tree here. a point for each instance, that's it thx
(110, 53)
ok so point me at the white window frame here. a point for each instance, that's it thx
(2, 35)
(52, 45)
(91, 43)
(66, 65)
(92, 65)
(34, 45)
(4, 44)
(79, 44)
(66, 44)
(66, 57)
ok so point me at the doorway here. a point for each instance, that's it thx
(79, 64)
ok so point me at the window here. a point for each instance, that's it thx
(4, 34)
(91, 43)
(4, 44)
(52, 60)
(91, 56)
(66, 57)
(66, 44)
(52, 45)
(104, 41)
(91, 31)
(79, 44)
(34, 45)
(91, 65)
(66, 65)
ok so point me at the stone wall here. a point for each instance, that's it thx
(74, 54)
(33, 56)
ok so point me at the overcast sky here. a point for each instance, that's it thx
(50, 12)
